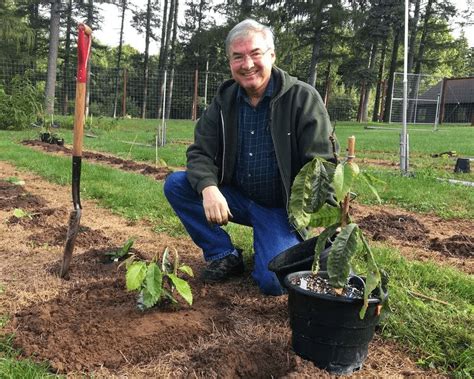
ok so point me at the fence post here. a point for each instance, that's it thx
(443, 99)
(195, 100)
(124, 98)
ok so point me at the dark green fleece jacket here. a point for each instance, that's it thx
(299, 124)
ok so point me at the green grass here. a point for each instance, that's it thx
(436, 334)
(439, 335)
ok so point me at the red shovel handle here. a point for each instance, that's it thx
(83, 49)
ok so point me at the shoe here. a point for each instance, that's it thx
(221, 269)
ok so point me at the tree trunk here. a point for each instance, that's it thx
(413, 33)
(393, 67)
(67, 48)
(163, 35)
(52, 56)
(379, 89)
(34, 15)
(327, 84)
(172, 58)
(424, 34)
(119, 57)
(169, 25)
(145, 60)
(314, 58)
(368, 87)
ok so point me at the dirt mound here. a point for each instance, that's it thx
(159, 173)
(14, 196)
(382, 226)
(461, 245)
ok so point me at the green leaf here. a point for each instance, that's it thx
(373, 274)
(183, 288)
(344, 177)
(20, 213)
(154, 280)
(149, 300)
(135, 275)
(370, 180)
(187, 270)
(342, 251)
(122, 252)
(308, 192)
(327, 215)
(321, 244)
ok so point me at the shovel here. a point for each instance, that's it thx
(83, 49)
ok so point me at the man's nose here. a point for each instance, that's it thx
(248, 62)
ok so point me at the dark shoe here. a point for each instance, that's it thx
(221, 269)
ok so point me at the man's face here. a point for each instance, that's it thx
(251, 62)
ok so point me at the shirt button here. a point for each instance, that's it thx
(252, 132)
(251, 154)
(249, 175)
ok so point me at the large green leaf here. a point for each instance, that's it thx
(373, 274)
(326, 216)
(166, 265)
(321, 244)
(135, 276)
(154, 280)
(308, 192)
(344, 177)
(320, 186)
(342, 251)
(299, 197)
(182, 287)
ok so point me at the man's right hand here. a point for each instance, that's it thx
(215, 206)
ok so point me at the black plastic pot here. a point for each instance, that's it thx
(462, 165)
(45, 137)
(297, 258)
(327, 330)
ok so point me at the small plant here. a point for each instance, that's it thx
(309, 194)
(156, 284)
(20, 213)
(117, 255)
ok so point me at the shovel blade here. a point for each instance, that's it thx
(73, 230)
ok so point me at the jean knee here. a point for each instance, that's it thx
(173, 183)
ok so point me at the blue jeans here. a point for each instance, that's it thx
(272, 233)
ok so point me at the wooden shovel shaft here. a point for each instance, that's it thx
(79, 117)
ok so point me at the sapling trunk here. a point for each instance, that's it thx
(347, 197)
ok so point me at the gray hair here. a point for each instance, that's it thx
(246, 27)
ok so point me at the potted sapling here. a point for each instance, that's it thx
(333, 313)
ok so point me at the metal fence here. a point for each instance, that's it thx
(433, 100)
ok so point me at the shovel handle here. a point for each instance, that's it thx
(84, 41)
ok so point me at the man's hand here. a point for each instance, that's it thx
(215, 206)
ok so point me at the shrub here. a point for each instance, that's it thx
(22, 106)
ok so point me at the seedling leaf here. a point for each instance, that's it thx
(153, 280)
(327, 215)
(343, 248)
(321, 244)
(183, 288)
(187, 270)
(373, 274)
(370, 180)
(344, 177)
(135, 276)
(20, 213)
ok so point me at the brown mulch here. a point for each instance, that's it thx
(90, 325)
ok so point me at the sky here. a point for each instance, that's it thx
(112, 17)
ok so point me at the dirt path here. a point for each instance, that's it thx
(90, 323)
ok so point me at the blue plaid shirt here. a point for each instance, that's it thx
(256, 173)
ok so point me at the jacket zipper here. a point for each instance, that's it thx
(223, 146)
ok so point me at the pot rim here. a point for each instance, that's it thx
(310, 293)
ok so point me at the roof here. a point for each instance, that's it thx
(459, 90)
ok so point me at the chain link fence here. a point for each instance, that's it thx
(433, 100)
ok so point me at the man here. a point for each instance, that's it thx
(260, 129)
